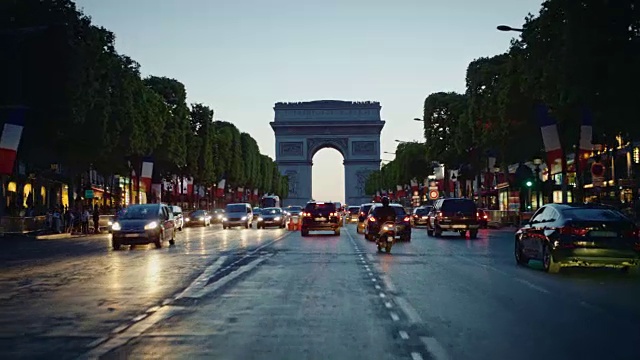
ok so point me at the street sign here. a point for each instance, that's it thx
(434, 194)
(597, 174)
(88, 194)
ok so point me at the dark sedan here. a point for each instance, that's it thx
(271, 217)
(143, 224)
(198, 218)
(403, 223)
(565, 235)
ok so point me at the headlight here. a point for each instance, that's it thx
(115, 226)
(244, 218)
(219, 216)
(150, 226)
(187, 219)
(260, 219)
(110, 223)
(201, 218)
(224, 219)
(277, 218)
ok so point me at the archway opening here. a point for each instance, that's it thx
(328, 176)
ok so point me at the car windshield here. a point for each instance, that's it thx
(197, 213)
(422, 211)
(459, 205)
(294, 209)
(140, 212)
(271, 211)
(354, 210)
(320, 206)
(176, 210)
(398, 209)
(236, 208)
(365, 208)
(257, 210)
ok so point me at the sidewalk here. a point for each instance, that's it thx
(40, 236)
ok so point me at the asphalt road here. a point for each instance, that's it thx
(271, 294)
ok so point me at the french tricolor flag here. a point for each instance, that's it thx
(147, 173)
(220, 188)
(10, 139)
(552, 146)
(586, 138)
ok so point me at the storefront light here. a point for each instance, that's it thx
(636, 155)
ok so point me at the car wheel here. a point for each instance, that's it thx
(158, 243)
(116, 245)
(473, 234)
(521, 258)
(437, 232)
(548, 263)
(337, 232)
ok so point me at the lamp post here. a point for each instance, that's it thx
(496, 171)
(537, 162)
(508, 28)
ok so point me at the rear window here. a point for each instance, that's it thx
(455, 205)
(354, 210)
(593, 214)
(236, 208)
(320, 206)
(365, 208)
(422, 211)
(398, 209)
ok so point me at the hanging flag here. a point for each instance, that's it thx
(220, 188)
(551, 139)
(10, 139)
(147, 173)
(586, 138)
(414, 185)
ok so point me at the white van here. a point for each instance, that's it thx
(238, 214)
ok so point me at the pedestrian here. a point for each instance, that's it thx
(96, 219)
(85, 220)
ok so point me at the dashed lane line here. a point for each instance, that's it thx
(403, 335)
(416, 356)
(436, 350)
(394, 316)
(408, 310)
(194, 289)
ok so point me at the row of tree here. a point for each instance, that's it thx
(89, 106)
(572, 56)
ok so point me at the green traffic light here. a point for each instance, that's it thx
(529, 183)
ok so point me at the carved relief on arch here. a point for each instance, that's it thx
(315, 144)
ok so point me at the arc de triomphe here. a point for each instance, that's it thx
(303, 128)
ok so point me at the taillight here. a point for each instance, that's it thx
(406, 219)
(573, 231)
(372, 219)
(362, 213)
(477, 214)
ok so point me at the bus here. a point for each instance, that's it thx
(268, 201)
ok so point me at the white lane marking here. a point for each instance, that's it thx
(165, 312)
(408, 310)
(153, 309)
(370, 257)
(532, 286)
(388, 305)
(378, 287)
(403, 334)
(373, 279)
(382, 295)
(387, 282)
(140, 317)
(97, 342)
(436, 350)
(370, 273)
(416, 356)
(394, 316)
(202, 280)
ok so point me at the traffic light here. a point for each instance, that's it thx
(529, 183)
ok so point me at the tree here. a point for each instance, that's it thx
(250, 155)
(202, 123)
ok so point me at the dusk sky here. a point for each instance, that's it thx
(240, 57)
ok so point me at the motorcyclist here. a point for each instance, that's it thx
(385, 212)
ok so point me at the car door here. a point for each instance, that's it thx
(528, 233)
(167, 221)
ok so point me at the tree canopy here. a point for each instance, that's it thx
(89, 106)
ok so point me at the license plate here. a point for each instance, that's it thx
(131, 235)
(321, 219)
(397, 237)
(389, 238)
(603, 233)
(459, 226)
(424, 218)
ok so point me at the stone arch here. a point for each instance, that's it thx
(303, 128)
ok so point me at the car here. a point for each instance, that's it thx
(272, 217)
(238, 214)
(362, 216)
(454, 214)
(178, 218)
(403, 223)
(483, 218)
(198, 217)
(142, 224)
(352, 214)
(578, 235)
(420, 215)
(320, 216)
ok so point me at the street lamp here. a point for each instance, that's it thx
(508, 28)
(417, 119)
(537, 161)
(390, 153)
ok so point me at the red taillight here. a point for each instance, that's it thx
(573, 231)
(372, 219)
(406, 219)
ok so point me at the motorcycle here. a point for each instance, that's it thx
(386, 236)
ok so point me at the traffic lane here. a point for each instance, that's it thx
(54, 307)
(606, 290)
(310, 300)
(472, 298)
